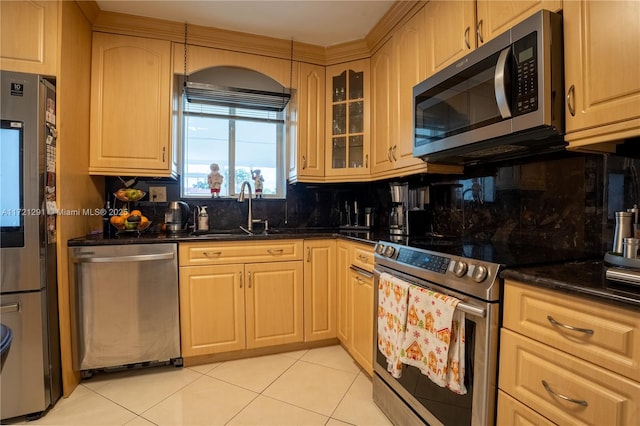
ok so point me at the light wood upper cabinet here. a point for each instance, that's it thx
(602, 81)
(29, 36)
(384, 102)
(496, 17)
(131, 90)
(450, 32)
(347, 121)
(320, 287)
(455, 28)
(306, 163)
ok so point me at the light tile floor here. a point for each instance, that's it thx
(322, 386)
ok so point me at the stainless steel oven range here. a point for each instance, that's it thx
(413, 398)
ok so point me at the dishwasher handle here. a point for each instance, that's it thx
(121, 259)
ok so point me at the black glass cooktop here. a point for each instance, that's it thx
(509, 254)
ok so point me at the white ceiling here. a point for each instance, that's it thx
(318, 22)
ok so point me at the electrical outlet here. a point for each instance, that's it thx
(158, 194)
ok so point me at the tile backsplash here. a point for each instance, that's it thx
(565, 200)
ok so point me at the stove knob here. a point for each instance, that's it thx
(479, 274)
(380, 249)
(388, 252)
(460, 269)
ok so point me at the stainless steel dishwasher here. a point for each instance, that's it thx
(125, 302)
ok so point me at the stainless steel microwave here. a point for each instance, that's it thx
(503, 100)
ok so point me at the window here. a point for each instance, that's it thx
(238, 130)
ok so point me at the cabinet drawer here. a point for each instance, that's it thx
(212, 253)
(615, 339)
(362, 256)
(515, 413)
(525, 365)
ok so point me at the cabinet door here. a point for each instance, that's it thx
(343, 292)
(362, 320)
(309, 155)
(563, 388)
(130, 106)
(29, 36)
(513, 412)
(320, 290)
(496, 17)
(450, 32)
(384, 97)
(602, 59)
(411, 68)
(347, 129)
(211, 309)
(274, 303)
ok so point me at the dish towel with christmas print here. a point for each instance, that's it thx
(434, 338)
(392, 318)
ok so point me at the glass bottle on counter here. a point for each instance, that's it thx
(106, 221)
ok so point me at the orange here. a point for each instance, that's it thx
(144, 219)
(136, 213)
(117, 220)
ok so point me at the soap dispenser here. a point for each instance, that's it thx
(203, 219)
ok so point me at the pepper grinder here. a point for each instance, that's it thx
(623, 230)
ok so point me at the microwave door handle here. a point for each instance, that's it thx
(499, 82)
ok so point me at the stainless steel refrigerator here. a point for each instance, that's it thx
(30, 380)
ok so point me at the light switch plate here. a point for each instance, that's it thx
(158, 194)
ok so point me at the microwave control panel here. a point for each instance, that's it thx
(526, 74)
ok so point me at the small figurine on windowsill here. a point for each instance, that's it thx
(258, 182)
(215, 180)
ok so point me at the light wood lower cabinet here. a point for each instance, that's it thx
(566, 359)
(235, 306)
(320, 316)
(355, 301)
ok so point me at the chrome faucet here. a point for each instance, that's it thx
(241, 200)
(250, 219)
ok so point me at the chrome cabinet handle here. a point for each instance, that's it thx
(479, 31)
(393, 153)
(240, 279)
(6, 309)
(308, 254)
(466, 37)
(275, 251)
(571, 97)
(569, 327)
(566, 398)
(249, 279)
(363, 258)
(304, 162)
(366, 161)
(163, 152)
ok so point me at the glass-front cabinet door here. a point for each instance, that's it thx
(348, 119)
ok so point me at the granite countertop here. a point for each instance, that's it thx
(582, 278)
(368, 237)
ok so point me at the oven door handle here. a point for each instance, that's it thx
(472, 310)
(361, 271)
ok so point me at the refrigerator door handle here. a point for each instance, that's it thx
(14, 307)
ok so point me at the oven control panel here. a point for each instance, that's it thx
(420, 260)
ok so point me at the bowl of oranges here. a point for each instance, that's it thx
(133, 221)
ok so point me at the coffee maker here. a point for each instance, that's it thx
(399, 214)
